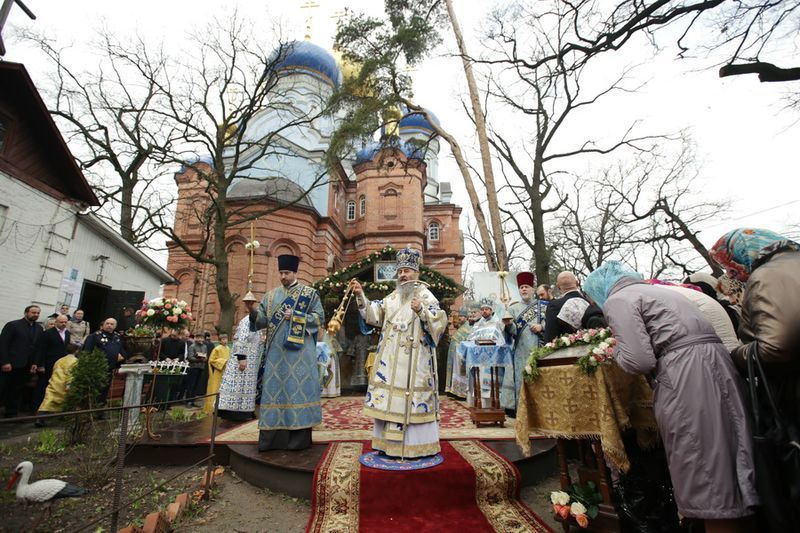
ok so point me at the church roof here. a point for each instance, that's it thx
(368, 152)
(303, 57)
(415, 122)
(275, 188)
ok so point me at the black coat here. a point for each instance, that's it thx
(553, 327)
(109, 343)
(50, 348)
(18, 343)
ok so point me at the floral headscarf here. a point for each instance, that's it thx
(598, 284)
(742, 250)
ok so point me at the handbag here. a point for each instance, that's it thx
(776, 453)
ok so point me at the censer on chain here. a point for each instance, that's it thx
(336, 321)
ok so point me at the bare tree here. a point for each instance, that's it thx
(109, 125)
(746, 31)
(542, 97)
(200, 111)
(644, 211)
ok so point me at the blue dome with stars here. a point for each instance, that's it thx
(415, 122)
(303, 57)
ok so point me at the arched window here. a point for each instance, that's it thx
(434, 230)
(362, 202)
(351, 210)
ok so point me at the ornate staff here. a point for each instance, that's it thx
(251, 246)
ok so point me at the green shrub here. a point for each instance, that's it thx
(89, 377)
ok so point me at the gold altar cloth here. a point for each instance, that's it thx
(566, 403)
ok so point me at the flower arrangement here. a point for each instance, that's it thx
(161, 313)
(141, 331)
(601, 350)
(252, 245)
(579, 501)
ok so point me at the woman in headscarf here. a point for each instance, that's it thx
(697, 399)
(769, 265)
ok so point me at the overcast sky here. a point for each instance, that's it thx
(746, 143)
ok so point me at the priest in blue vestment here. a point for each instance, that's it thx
(290, 395)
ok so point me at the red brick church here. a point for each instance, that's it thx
(379, 196)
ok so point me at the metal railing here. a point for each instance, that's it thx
(125, 445)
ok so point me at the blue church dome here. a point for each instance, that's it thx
(416, 122)
(308, 58)
(409, 150)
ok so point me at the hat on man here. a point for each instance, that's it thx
(288, 262)
(526, 278)
(409, 258)
(486, 302)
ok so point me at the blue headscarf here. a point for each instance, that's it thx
(598, 284)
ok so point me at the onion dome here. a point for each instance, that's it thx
(368, 152)
(303, 57)
(416, 123)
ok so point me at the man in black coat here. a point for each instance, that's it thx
(50, 347)
(109, 342)
(567, 284)
(18, 357)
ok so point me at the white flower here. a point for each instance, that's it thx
(156, 302)
(586, 337)
(176, 311)
(559, 497)
(182, 303)
(598, 351)
(256, 245)
(150, 312)
(592, 361)
(566, 343)
(577, 508)
(528, 369)
(603, 345)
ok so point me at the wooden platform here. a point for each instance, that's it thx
(292, 473)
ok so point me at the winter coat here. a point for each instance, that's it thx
(697, 398)
(79, 331)
(714, 313)
(771, 314)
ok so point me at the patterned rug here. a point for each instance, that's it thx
(473, 490)
(342, 419)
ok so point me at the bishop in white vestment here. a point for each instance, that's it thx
(402, 395)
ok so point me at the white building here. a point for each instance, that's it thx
(50, 253)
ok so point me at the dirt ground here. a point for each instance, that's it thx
(242, 508)
(87, 465)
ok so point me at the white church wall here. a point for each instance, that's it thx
(119, 271)
(35, 231)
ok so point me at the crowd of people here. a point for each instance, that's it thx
(693, 340)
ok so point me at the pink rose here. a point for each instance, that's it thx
(183, 316)
(167, 306)
(582, 520)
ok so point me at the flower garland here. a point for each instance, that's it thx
(161, 313)
(579, 501)
(334, 285)
(601, 351)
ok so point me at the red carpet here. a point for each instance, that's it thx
(473, 490)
